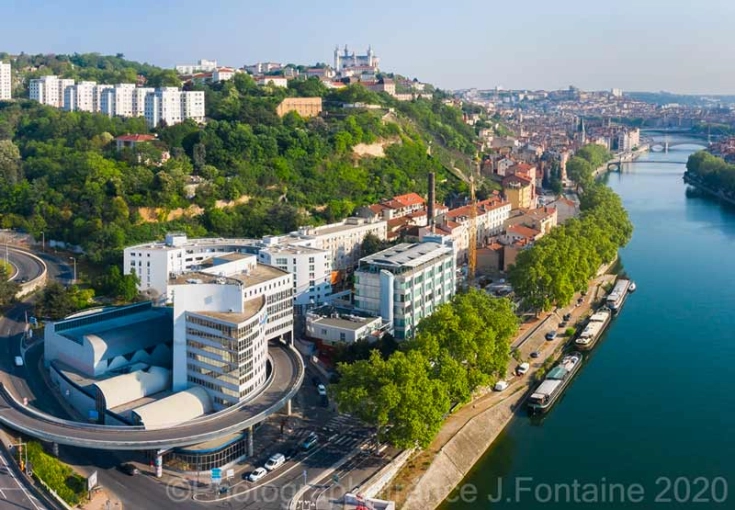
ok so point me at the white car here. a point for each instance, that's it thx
(257, 474)
(501, 385)
(18, 361)
(276, 460)
(322, 390)
(522, 368)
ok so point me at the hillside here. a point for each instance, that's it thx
(63, 176)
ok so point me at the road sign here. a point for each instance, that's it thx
(230, 473)
(216, 475)
(92, 481)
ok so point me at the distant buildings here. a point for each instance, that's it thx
(167, 105)
(6, 82)
(304, 106)
(518, 191)
(405, 283)
(203, 66)
(345, 60)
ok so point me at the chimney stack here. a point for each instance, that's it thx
(432, 199)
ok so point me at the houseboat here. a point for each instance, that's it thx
(617, 297)
(596, 325)
(554, 383)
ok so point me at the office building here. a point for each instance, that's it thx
(405, 283)
(224, 316)
(6, 81)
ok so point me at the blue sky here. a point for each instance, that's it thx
(676, 45)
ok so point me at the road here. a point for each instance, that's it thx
(26, 268)
(13, 493)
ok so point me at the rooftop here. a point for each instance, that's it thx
(407, 255)
(259, 274)
(353, 323)
(250, 308)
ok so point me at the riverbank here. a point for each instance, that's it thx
(430, 476)
(697, 184)
(627, 157)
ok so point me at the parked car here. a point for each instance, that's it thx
(551, 335)
(257, 474)
(522, 368)
(291, 453)
(500, 385)
(567, 317)
(309, 442)
(129, 469)
(535, 354)
(18, 361)
(275, 461)
(322, 390)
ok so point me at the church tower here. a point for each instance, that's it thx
(336, 58)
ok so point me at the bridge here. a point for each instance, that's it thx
(614, 166)
(285, 380)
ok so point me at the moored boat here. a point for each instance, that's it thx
(632, 287)
(554, 383)
(596, 325)
(616, 298)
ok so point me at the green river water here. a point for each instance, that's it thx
(649, 421)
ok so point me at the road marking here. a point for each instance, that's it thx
(20, 486)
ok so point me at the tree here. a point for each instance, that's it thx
(118, 285)
(57, 302)
(396, 391)
(371, 244)
(580, 171)
(8, 289)
(10, 165)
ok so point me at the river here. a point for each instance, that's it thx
(648, 422)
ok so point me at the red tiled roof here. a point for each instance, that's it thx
(135, 138)
(409, 199)
(523, 230)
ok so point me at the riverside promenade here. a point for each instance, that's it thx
(429, 477)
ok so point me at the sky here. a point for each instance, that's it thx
(681, 46)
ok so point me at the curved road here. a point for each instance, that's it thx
(27, 268)
(288, 374)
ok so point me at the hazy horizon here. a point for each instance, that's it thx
(660, 46)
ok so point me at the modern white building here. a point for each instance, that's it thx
(171, 106)
(203, 66)
(406, 283)
(80, 97)
(167, 105)
(334, 247)
(49, 90)
(6, 81)
(311, 269)
(341, 329)
(344, 239)
(223, 74)
(224, 316)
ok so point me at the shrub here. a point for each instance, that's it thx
(70, 486)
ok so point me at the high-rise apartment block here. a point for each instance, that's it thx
(6, 82)
(167, 105)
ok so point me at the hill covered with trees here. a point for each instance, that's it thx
(62, 175)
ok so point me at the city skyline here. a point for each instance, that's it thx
(651, 47)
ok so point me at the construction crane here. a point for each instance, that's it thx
(472, 248)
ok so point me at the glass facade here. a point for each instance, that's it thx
(193, 460)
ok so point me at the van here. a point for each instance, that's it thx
(18, 361)
(276, 460)
(522, 368)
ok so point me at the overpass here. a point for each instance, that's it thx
(285, 380)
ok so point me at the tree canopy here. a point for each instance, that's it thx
(463, 345)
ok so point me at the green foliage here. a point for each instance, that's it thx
(56, 301)
(362, 349)
(569, 332)
(117, 285)
(468, 341)
(8, 289)
(713, 172)
(464, 344)
(70, 486)
(372, 244)
(565, 260)
(581, 166)
(396, 391)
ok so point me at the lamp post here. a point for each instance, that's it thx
(43, 241)
(75, 269)
(24, 463)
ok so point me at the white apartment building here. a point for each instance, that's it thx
(80, 97)
(203, 66)
(344, 239)
(49, 90)
(406, 283)
(223, 74)
(139, 95)
(6, 81)
(99, 91)
(224, 317)
(171, 106)
(311, 269)
(118, 100)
